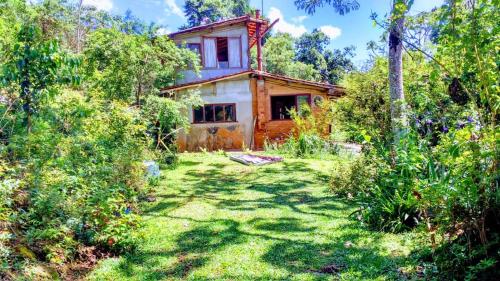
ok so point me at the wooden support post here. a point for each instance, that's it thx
(261, 103)
(259, 49)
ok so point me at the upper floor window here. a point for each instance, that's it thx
(215, 113)
(195, 47)
(222, 52)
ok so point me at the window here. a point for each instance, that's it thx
(281, 105)
(222, 52)
(195, 47)
(215, 113)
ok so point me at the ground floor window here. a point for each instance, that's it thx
(215, 113)
(281, 105)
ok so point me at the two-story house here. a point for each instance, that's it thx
(242, 107)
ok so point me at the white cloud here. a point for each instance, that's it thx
(172, 8)
(283, 26)
(163, 31)
(299, 19)
(332, 31)
(105, 5)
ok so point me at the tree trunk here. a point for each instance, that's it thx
(25, 90)
(398, 111)
(138, 94)
(79, 28)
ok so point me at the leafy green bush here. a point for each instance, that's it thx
(451, 189)
(165, 118)
(77, 120)
(443, 173)
(389, 203)
(305, 146)
(83, 176)
(310, 137)
(352, 178)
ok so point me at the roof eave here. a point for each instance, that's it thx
(333, 90)
(202, 82)
(242, 19)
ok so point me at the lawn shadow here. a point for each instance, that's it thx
(281, 225)
(285, 195)
(290, 249)
(212, 181)
(188, 163)
(336, 257)
(162, 206)
(192, 250)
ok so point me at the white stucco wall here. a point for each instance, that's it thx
(235, 31)
(235, 91)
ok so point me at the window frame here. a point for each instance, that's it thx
(216, 51)
(296, 97)
(213, 105)
(200, 54)
(191, 44)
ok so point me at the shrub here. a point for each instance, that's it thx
(310, 136)
(389, 203)
(452, 187)
(305, 146)
(165, 117)
(352, 178)
(82, 176)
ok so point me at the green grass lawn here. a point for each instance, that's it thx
(215, 219)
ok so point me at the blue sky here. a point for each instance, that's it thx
(355, 28)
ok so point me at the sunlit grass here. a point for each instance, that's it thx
(215, 219)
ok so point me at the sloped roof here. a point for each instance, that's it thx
(296, 80)
(250, 22)
(254, 73)
(206, 81)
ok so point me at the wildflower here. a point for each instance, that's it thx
(460, 125)
(428, 122)
(127, 211)
(445, 129)
(470, 119)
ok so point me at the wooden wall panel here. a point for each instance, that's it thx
(279, 130)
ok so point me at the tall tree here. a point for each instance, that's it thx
(312, 48)
(205, 11)
(35, 69)
(341, 6)
(279, 58)
(129, 67)
(396, 30)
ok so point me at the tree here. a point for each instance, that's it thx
(130, 24)
(339, 62)
(36, 68)
(128, 66)
(311, 48)
(205, 11)
(279, 58)
(396, 30)
(341, 6)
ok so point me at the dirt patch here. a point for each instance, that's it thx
(86, 259)
(330, 269)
